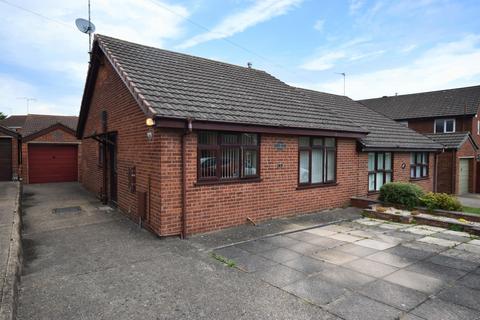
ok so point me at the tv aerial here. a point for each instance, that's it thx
(87, 27)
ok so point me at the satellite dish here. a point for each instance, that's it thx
(85, 26)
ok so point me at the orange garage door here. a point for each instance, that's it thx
(52, 163)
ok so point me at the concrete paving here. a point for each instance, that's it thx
(8, 193)
(96, 264)
(470, 200)
(372, 269)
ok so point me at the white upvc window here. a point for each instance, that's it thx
(444, 126)
(478, 127)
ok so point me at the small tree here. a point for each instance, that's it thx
(2, 115)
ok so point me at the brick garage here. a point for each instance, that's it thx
(124, 157)
(49, 149)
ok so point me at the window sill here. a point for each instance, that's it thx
(217, 182)
(373, 192)
(319, 185)
(419, 179)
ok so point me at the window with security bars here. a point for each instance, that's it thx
(227, 156)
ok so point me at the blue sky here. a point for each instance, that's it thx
(384, 47)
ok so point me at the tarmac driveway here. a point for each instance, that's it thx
(96, 264)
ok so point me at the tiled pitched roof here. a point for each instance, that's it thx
(36, 122)
(452, 140)
(15, 121)
(443, 103)
(7, 131)
(174, 85)
(384, 132)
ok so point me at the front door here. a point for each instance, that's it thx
(464, 176)
(112, 164)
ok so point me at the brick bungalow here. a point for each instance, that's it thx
(49, 149)
(185, 145)
(449, 117)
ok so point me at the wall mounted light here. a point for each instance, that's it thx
(149, 122)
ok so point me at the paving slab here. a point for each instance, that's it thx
(391, 259)
(462, 254)
(438, 309)
(280, 275)
(231, 252)
(325, 242)
(453, 262)
(282, 241)
(439, 241)
(421, 230)
(361, 233)
(471, 280)
(322, 232)
(475, 242)
(415, 281)
(357, 307)
(394, 295)
(345, 278)
(345, 237)
(463, 296)
(304, 248)
(316, 290)
(280, 254)
(369, 222)
(334, 256)
(371, 268)
(423, 246)
(469, 247)
(256, 246)
(253, 262)
(375, 244)
(356, 250)
(452, 237)
(437, 271)
(309, 265)
(457, 233)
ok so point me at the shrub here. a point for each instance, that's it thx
(401, 193)
(441, 201)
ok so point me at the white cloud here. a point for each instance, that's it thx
(355, 5)
(408, 48)
(55, 51)
(324, 62)
(319, 24)
(447, 65)
(352, 50)
(260, 11)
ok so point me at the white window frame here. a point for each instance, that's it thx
(445, 125)
(478, 127)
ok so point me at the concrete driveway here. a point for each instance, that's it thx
(470, 200)
(96, 264)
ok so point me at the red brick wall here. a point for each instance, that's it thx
(125, 118)
(59, 136)
(427, 125)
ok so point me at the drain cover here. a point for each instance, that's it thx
(67, 210)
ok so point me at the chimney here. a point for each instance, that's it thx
(249, 65)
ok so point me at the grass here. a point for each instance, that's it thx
(471, 210)
(228, 262)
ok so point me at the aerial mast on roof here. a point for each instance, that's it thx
(344, 76)
(87, 27)
(27, 99)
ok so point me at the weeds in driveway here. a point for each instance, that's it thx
(455, 227)
(230, 263)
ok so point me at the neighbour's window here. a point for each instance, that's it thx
(419, 165)
(317, 160)
(379, 170)
(444, 125)
(227, 156)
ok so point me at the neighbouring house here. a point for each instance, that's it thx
(48, 148)
(449, 117)
(184, 144)
(9, 154)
